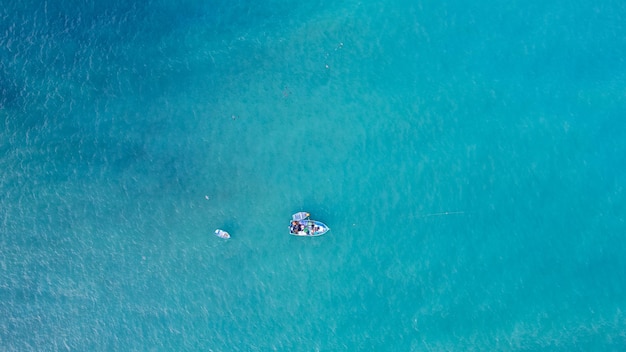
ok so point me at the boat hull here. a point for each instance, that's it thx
(312, 228)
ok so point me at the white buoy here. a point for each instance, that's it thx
(222, 234)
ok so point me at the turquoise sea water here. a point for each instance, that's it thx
(469, 158)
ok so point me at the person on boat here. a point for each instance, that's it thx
(294, 227)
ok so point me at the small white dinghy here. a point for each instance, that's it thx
(301, 215)
(222, 234)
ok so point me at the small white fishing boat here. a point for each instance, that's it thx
(309, 228)
(222, 234)
(301, 225)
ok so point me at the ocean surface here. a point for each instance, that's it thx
(469, 158)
